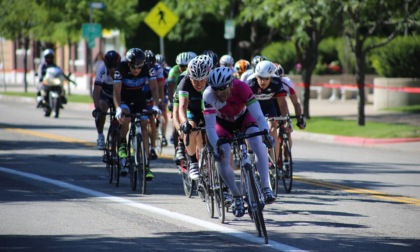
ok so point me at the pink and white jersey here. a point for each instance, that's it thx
(288, 85)
(236, 104)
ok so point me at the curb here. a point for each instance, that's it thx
(325, 138)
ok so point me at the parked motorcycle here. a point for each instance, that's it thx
(53, 87)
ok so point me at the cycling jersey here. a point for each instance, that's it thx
(158, 72)
(186, 89)
(131, 88)
(265, 96)
(174, 74)
(246, 74)
(105, 81)
(288, 85)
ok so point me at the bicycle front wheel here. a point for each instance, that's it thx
(255, 205)
(287, 168)
(132, 149)
(274, 179)
(158, 142)
(140, 161)
(115, 159)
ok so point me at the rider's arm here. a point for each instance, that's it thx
(96, 95)
(210, 120)
(281, 102)
(183, 106)
(155, 92)
(296, 105)
(255, 110)
(117, 94)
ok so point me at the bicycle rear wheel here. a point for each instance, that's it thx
(140, 161)
(287, 169)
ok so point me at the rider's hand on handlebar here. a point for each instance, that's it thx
(301, 122)
(157, 110)
(268, 141)
(186, 127)
(119, 114)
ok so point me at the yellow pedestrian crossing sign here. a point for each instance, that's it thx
(161, 19)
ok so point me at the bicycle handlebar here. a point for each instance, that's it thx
(240, 136)
(187, 140)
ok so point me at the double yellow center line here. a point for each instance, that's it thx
(371, 193)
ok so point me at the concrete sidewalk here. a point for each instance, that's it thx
(338, 108)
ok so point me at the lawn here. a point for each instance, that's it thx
(323, 125)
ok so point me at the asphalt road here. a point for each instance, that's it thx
(54, 197)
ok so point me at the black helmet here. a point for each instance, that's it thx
(112, 59)
(257, 59)
(135, 56)
(213, 56)
(150, 57)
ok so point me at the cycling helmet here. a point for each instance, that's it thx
(183, 58)
(150, 57)
(160, 59)
(257, 59)
(213, 56)
(242, 65)
(48, 52)
(112, 59)
(226, 60)
(220, 77)
(135, 56)
(265, 69)
(279, 69)
(192, 54)
(200, 67)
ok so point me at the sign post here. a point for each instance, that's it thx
(161, 20)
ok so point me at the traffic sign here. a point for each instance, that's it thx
(161, 19)
(91, 30)
(229, 29)
(91, 42)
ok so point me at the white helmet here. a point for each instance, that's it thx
(183, 58)
(265, 69)
(192, 54)
(226, 60)
(220, 77)
(47, 52)
(199, 67)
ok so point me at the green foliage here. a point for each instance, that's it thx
(399, 58)
(283, 53)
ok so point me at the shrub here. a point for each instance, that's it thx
(283, 53)
(398, 58)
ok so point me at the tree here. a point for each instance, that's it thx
(16, 22)
(305, 22)
(367, 18)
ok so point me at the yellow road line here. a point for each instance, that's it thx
(371, 193)
(50, 136)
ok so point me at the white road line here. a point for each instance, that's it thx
(156, 210)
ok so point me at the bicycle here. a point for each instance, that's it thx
(136, 160)
(211, 185)
(280, 169)
(159, 135)
(188, 184)
(251, 188)
(110, 153)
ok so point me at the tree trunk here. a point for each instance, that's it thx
(25, 63)
(306, 79)
(360, 80)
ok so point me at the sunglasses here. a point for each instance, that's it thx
(183, 66)
(221, 89)
(264, 79)
(138, 66)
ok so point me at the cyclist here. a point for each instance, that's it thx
(254, 62)
(182, 61)
(102, 93)
(290, 89)
(227, 61)
(190, 113)
(241, 66)
(165, 116)
(212, 55)
(158, 71)
(266, 87)
(130, 77)
(229, 104)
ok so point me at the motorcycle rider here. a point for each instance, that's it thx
(42, 70)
